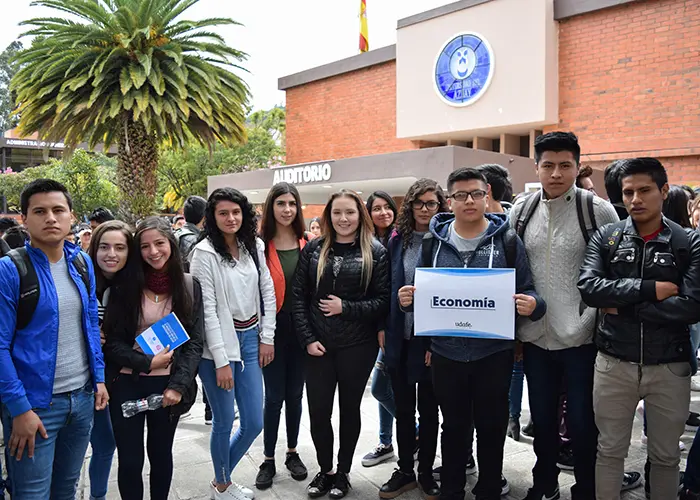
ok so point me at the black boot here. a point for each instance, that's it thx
(399, 483)
(513, 429)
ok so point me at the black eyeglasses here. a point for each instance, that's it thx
(430, 205)
(477, 195)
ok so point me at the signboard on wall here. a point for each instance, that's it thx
(464, 69)
(304, 174)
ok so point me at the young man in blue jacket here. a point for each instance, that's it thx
(51, 370)
(470, 372)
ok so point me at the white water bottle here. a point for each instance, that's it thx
(134, 407)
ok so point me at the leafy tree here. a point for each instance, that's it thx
(130, 72)
(273, 120)
(8, 68)
(184, 173)
(89, 179)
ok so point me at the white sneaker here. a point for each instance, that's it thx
(231, 493)
(240, 490)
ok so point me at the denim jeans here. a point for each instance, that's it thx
(694, 344)
(227, 451)
(55, 469)
(103, 446)
(384, 394)
(284, 384)
(515, 395)
(691, 480)
(2, 478)
(546, 371)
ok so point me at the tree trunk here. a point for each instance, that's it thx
(137, 166)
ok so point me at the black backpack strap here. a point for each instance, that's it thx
(529, 206)
(427, 250)
(680, 245)
(510, 243)
(613, 237)
(586, 213)
(82, 268)
(28, 287)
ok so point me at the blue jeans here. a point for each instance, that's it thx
(691, 480)
(68, 423)
(227, 451)
(546, 371)
(694, 344)
(103, 445)
(384, 394)
(515, 395)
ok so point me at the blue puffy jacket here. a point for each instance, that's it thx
(28, 356)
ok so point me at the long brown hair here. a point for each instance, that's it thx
(365, 235)
(105, 227)
(405, 222)
(268, 228)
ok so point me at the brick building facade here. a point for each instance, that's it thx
(629, 85)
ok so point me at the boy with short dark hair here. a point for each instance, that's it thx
(51, 365)
(474, 373)
(643, 275)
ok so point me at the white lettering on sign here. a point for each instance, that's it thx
(33, 143)
(303, 175)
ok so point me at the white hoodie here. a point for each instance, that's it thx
(232, 291)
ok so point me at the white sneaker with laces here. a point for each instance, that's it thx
(231, 493)
(243, 492)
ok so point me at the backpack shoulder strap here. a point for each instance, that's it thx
(28, 287)
(510, 243)
(427, 249)
(586, 213)
(680, 245)
(529, 206)
(82, 268)
(613, 236)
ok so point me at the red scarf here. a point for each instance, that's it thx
(158, 283)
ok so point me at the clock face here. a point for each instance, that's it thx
(464, 69)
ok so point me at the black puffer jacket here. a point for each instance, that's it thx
(644, 330)
(362, 310)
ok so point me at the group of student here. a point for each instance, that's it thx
(271, 309)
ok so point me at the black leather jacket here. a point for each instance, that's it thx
(645, 330)
(120, 353)
(362, 310)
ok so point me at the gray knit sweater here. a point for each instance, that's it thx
(556, 248)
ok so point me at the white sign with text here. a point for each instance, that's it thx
(463, 302)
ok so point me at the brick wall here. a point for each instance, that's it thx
(353, 114)
(629, 83)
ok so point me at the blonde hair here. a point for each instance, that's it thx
(365, 230)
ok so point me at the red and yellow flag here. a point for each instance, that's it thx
(364, 37)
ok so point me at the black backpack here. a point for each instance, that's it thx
(584, 210)
(680, 243)
(509, 242)
(29, 289)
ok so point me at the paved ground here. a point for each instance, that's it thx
(193, 469)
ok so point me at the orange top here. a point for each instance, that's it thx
(275, 266)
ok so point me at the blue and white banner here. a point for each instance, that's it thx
(166, 332)
(463, 302)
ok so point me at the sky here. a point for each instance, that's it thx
(281, 37)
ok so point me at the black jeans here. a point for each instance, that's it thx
(405, 398)
(348, 369)
(284, 384)
(546, 372)
(128, 434)
(475, 390)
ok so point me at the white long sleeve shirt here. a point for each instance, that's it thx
(230, 292)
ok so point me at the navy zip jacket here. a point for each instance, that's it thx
(444, 254)
(394, 341)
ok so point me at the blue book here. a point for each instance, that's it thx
(166, 332)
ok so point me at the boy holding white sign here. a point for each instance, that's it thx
(474, 372)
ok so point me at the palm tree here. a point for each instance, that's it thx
(130, 72)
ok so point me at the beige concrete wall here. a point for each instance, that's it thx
(523, 93)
